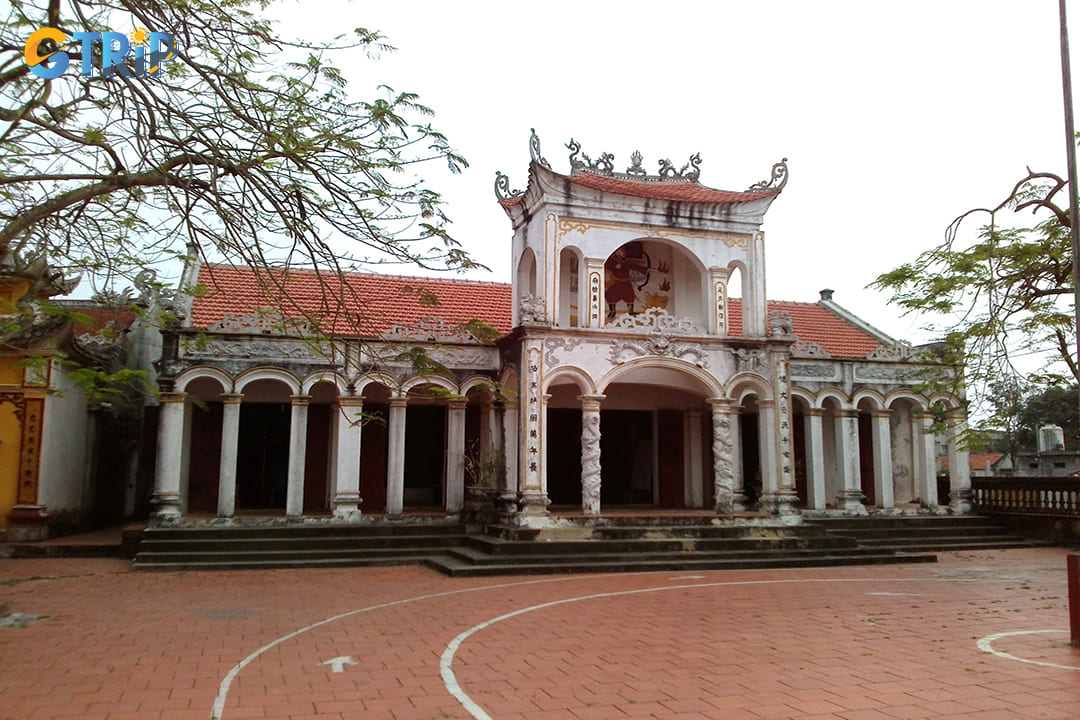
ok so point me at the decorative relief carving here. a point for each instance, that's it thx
(552, 344)
(261, 322)
(532, 310)
(428, 330)
(890, 373)
(656, 318)
(580, 162)
(657, 343)
(895, 353)
(689, 172)
(590, 461)
(17, 400)
(747, 360)
(604, 166)
(284, 349)
(813, 370)
(465, 358)
(571, 225)
(803, 348)
(723, 469)
(780, 323)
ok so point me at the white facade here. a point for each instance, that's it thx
(630, 379)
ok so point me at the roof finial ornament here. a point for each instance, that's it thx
(635, 165)
(534, 149)
(776, 182)
(604, 166)
(690, 172)
(502, 188)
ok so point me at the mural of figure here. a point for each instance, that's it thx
(628, 271)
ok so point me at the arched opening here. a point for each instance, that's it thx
(799, 451)
(734, 307)
(569, 288)
(262, 467)
(832, 456)
(374, 439)
(563, 445)
(204, 452)
(526, 275)
(321, 444)
(425, 448)
(484, 461)
(750, 435)
(645, 274)
(867, 449)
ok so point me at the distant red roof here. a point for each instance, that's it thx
(365, 304)
(814, 322)
(976, 461)
(660, 190)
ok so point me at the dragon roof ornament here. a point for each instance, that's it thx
(605, 165)
(776, 182)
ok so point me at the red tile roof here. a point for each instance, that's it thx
(976, 461)
(365, 304)
(368, 304)
(660, 190)
(814, 322)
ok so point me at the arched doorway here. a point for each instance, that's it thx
(205, 418)
(262, 472)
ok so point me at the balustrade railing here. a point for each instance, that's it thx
(1033, 496)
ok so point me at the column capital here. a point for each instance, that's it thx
(544, 398)
(723, 404)
(813, 412)
(881, 413)
(356, 401)
(232, 398)
(457, 402)
(172, 397)
(924, 415)
(956, 414)
(398, 402)
(300, 400)
(849, 413)
(590, 402)
(766, 403)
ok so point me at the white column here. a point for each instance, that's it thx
(510, 445)
(693, 488)
(230, 433)
(294, 491)
(882, 440)
(346, 501)
(590, 453)
(960, 494)
(847, 460)
(815, 458)
(395, 457)
(768, 451)
(926, 459)
(455, 455)
(170, 458)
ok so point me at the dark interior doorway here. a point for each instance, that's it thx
(425, 450)
(564, 456)
(373, 447)
(263, 452)
(626, 457)
(751, 457)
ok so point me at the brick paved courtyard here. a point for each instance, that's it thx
(978, 636)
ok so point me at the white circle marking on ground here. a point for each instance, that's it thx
(986, 644)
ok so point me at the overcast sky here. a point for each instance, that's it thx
(895, 117)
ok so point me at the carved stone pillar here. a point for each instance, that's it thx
(815, 458)
(346, 500)
(590, 453)
(851, 497)
(882, 440)
(534, 499)
(395, 457)
(693, 492)
(926, 459)
(294, 490)
(455, 455)
(727, 457)
(230, 433)
(960, 493)
(167, 500)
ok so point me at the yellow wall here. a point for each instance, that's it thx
(10, 437)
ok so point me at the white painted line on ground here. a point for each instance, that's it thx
(338, 664)
(986, 644)
(446, 662)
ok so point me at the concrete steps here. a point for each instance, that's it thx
(926, 533)
(238, 548)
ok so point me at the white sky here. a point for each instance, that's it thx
(895, 117)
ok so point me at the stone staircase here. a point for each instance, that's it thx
(295, 546)
(925, 533)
